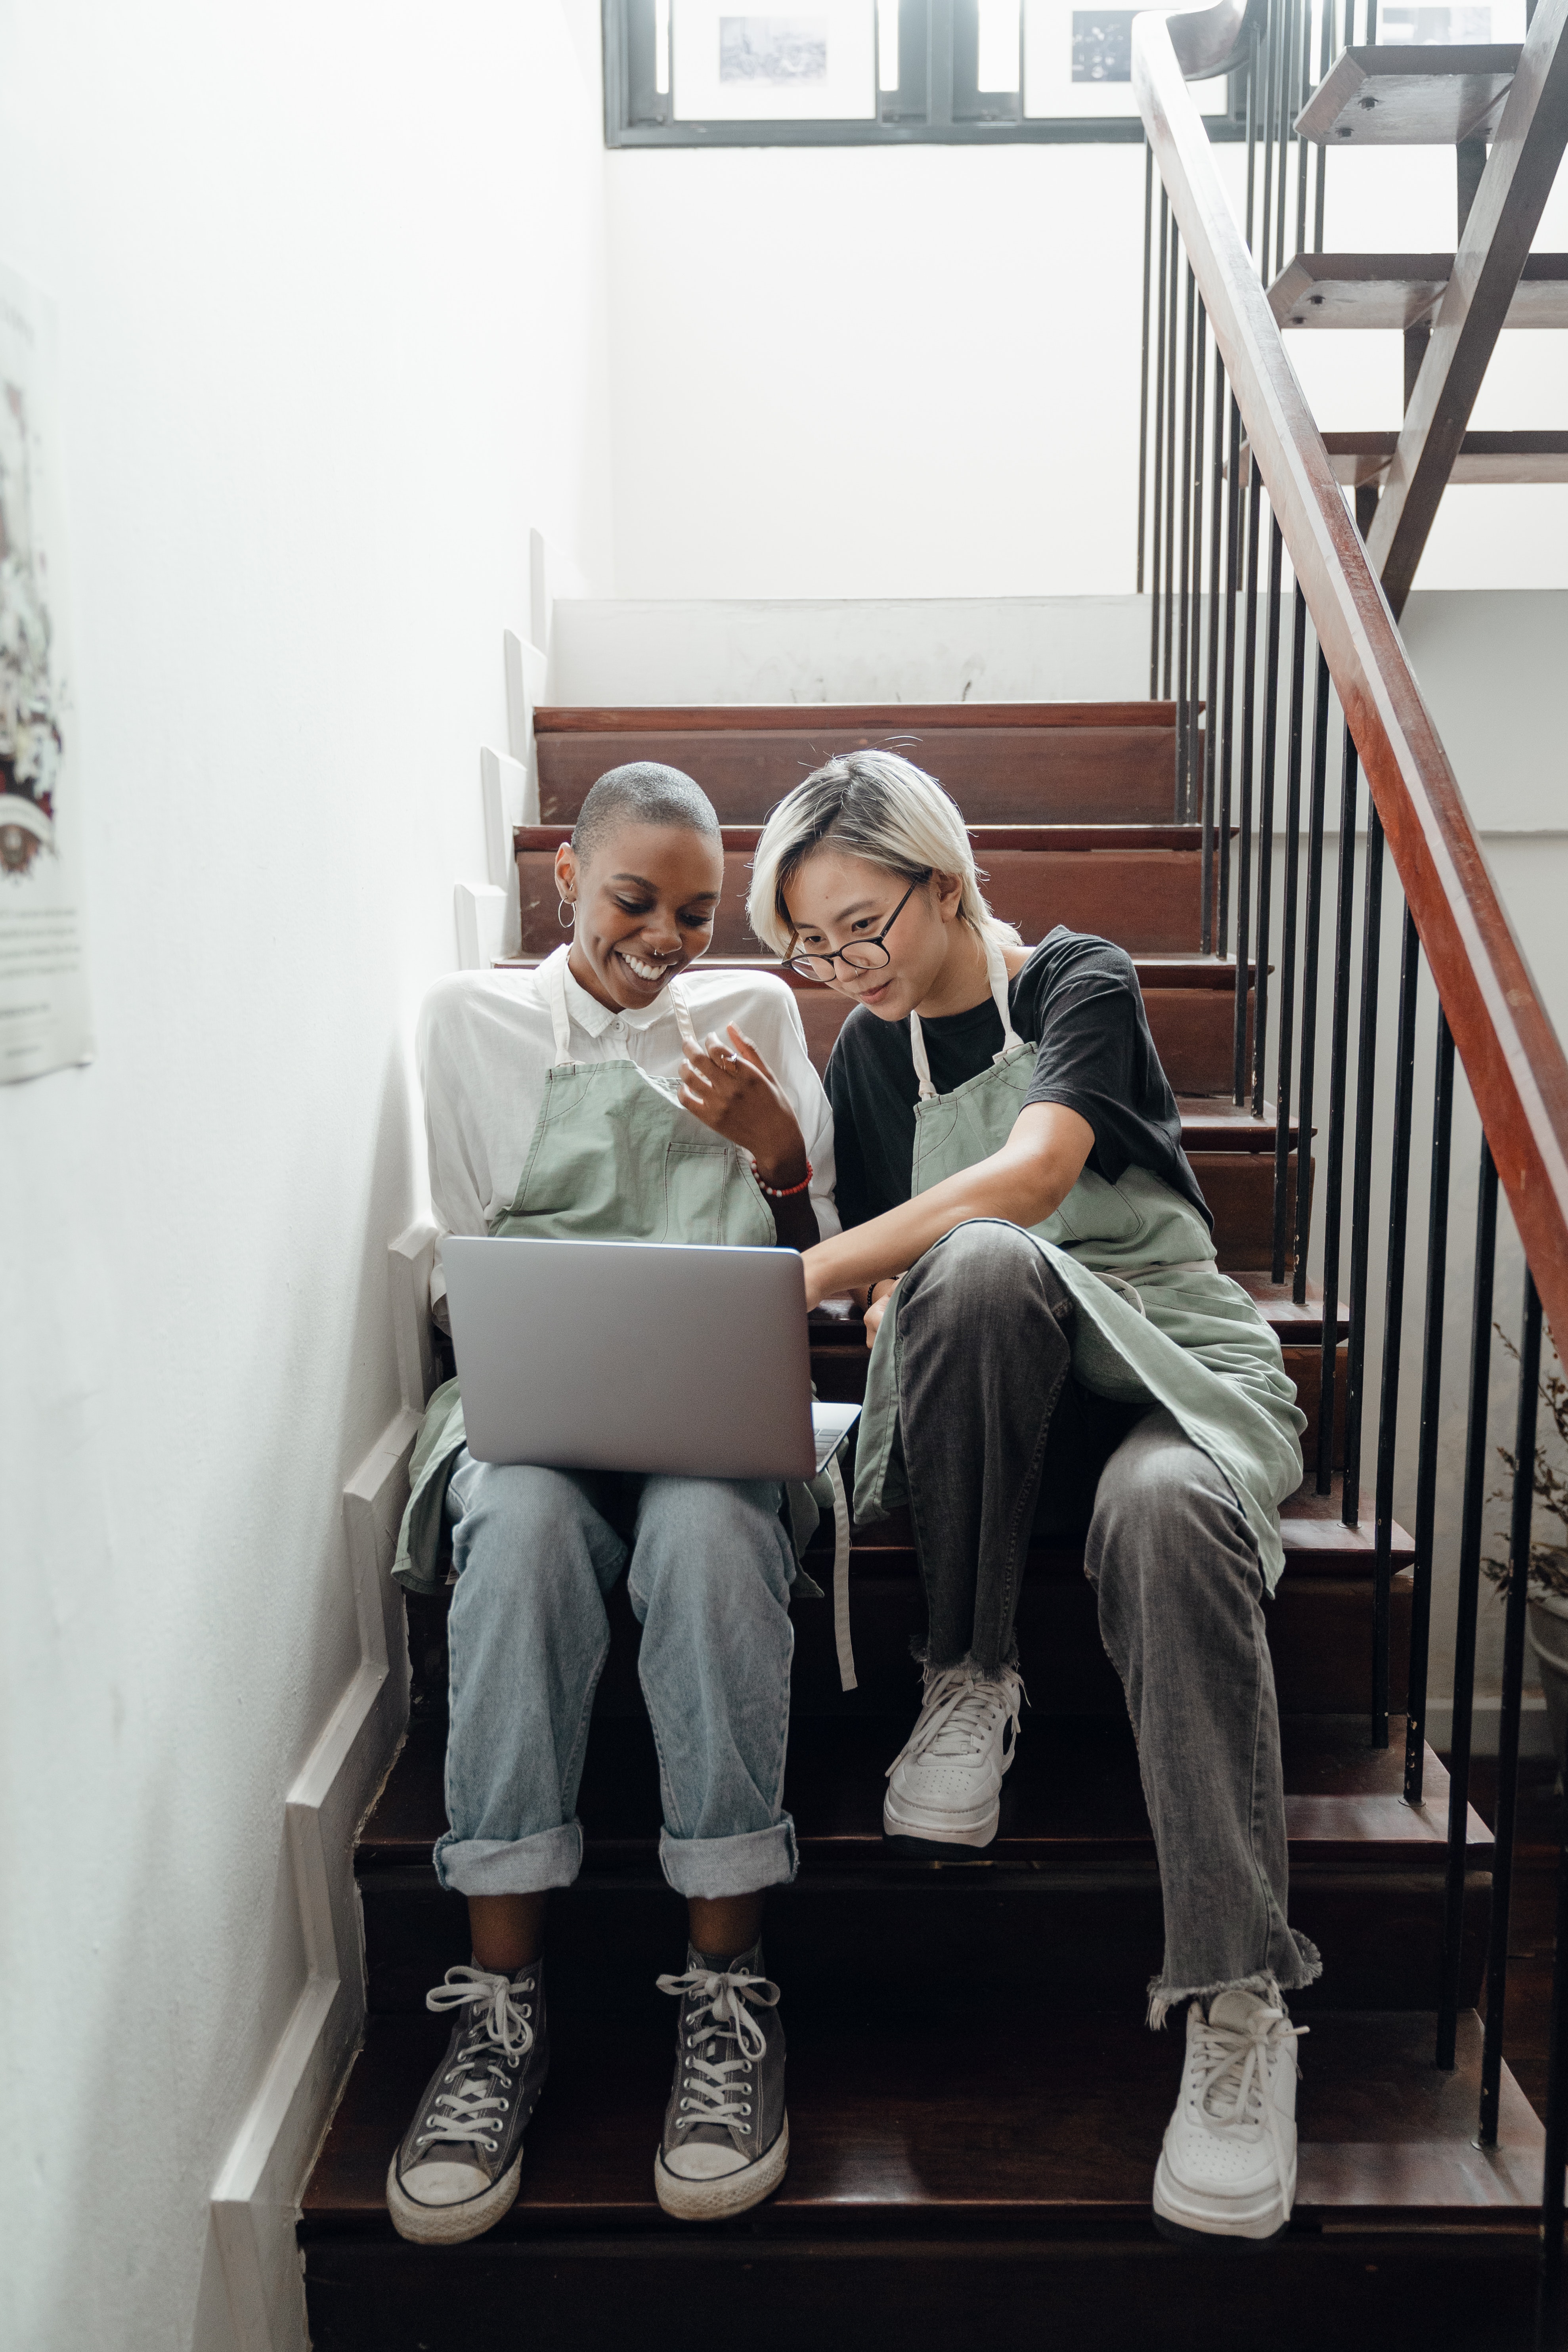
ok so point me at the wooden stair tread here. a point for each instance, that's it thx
(1316, 1540)
(1072, 1800)
(1414, 96)
(1058, 838)
(1400, 290)
(1295, 1324)
(1215, 974)
(1055, 2119)
(1532, 456)
(731, 717)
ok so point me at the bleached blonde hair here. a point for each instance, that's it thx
(872, 804)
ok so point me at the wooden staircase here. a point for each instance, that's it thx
(976, 2104)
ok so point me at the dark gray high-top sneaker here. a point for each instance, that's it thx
(726, 2131)
(460, 2161)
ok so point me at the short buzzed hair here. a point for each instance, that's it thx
(646, 793)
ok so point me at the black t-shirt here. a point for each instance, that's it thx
(1079, 1000)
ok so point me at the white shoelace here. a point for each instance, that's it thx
(960, 1715)
(500, 2033)
(1236, 2089)
(706, 2088)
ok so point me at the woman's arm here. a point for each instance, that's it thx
(730, 1089)
(1032, 1174)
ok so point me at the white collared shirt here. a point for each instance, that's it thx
(484, 1043)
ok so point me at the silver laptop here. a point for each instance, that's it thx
(651, 1356)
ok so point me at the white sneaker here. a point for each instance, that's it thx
(1228, 2167)
(944, 1786)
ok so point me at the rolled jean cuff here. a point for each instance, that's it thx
(711, 1868)
(510, 1865)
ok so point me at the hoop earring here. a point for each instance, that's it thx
(563, 914)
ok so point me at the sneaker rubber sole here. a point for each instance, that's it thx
(1250, 2226)
(450, 2225)
(928, 1837)
(731, 2193)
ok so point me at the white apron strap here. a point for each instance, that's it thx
(996, 972)
(842, 1642)
(553, 974)
(677, 995)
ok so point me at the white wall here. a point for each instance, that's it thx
(330, 286)
(894, 373)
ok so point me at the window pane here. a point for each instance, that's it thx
(1079, 61)
(813, 62)
(999, 28)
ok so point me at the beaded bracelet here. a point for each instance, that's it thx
(784, 1192)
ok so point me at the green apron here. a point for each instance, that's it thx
(1157, 1322)
(616, 1156)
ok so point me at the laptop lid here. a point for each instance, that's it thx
(643, 1356)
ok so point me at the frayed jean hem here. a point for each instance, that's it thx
(713, 1868)
(526, 1865)
(1164, 1996)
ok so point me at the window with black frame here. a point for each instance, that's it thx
(721, 73)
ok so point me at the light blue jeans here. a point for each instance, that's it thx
(710, 1569)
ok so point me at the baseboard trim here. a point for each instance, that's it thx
(256, 2201)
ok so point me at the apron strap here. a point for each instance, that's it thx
(677, 996)
(842, 1642)
(553, 974)
(996, 972)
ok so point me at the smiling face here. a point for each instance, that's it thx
(834, 900)
(644, 901)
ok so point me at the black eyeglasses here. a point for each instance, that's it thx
(861, 955)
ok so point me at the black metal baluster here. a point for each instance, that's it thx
(1310, 978)
(1271, 112)
(1303, 65)
(1195, 623)
(1159, 450)
(1254, 56)
(1226, 747)
(1477, 1455)
(1287, 81)
(1288, 932)
(1360, 1188)
(1211, 685)
(1244, 856)
(1266, 809)
(1339, 1055)
(1393, 1328)
(1143, 369)
(1183, 572)
(1508, 1710)
(1325, 58)
(1175, 244)
(1548, 2293)
(1431, 1401)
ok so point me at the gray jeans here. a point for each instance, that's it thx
(1000, 1442)
(709, 1567)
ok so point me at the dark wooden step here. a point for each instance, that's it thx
(1071, 1800)
(838, 1370)
(1361, 457)
(1072, 762)
(1401, 290)
(1410, 96)
(1142, 892)
(1051, 2117)
(1190, 1001)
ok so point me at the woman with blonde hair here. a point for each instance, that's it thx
(1055, 1352)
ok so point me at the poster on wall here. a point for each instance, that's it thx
(45, 1022)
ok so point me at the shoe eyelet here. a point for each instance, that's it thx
(746, 2131)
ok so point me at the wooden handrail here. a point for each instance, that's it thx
(1512, 1058)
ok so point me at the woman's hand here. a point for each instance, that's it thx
(730, 1089)
(882, 1293)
